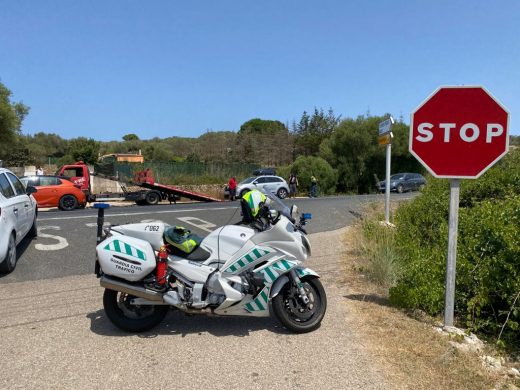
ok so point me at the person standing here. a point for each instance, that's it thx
(232, 185)
(293, 185)
(39, 170)
(314, 187)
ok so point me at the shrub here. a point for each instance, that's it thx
(377, 246)
(488, 255)
(306, 166)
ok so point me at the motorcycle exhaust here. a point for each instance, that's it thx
(171, 298)
(141, 292)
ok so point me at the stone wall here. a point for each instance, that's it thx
(100, 185)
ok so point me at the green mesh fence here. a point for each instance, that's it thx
(179, 172)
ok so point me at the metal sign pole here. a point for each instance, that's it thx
(451, 261)
(387, 188)
(385, 138)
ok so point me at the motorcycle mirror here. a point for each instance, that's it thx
(307, 216)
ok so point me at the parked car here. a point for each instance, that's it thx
(56, 191)
(264, 171)
(402, 182)
(274, 184)
(18, 213)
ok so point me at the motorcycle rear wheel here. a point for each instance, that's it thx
(128, 317)
(290, 310)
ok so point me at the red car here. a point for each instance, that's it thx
(55, 191)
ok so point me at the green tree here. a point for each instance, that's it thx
(156, 151)
(262, 126)
(85, 149)
(354, 151)
(130, 137)
(311, 131)
(11, 116)
(306, 166)
(263, 142)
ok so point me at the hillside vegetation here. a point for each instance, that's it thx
(342, 154)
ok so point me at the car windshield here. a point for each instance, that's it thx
(248, 180)
(397, 177)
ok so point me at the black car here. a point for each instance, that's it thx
(265, 172)
(402, 182)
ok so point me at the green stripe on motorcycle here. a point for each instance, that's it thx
(249, 258)
(117, 248)
(270, 273)
(264, 295)
(241, 263)
(260, 306)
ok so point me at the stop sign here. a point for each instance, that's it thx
(459, 132)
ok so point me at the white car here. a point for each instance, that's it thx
(18, 212)
(273, 184)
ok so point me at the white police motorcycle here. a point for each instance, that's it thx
(250, 269)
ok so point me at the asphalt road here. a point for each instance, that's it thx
(66, 241)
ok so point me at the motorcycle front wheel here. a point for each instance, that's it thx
(128, 317)
(293, 313)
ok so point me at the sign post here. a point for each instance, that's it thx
(458, 133)
(385, 138)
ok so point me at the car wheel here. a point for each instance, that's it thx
(8, 264)
(68, 202)
(400, 188)
(282, 193)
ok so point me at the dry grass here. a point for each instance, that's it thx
(415, 355)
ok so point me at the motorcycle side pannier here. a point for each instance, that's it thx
(126, 257)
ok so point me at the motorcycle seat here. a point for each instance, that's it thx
(199, 254)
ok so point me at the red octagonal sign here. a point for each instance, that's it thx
(459, 132)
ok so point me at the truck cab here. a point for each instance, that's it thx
(79, 174)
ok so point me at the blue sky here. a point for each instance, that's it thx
(103, 69)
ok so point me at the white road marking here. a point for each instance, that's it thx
(94, 224)
(127, 214)
(204, 225)
(62, 242)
